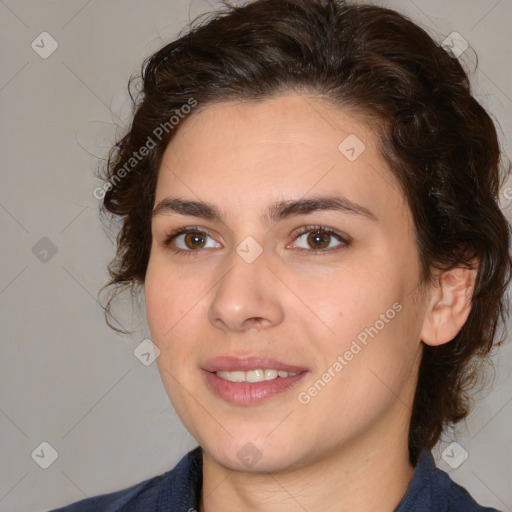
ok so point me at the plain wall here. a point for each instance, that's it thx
(65, 378)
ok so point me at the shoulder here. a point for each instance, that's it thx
(431, 488)
(457, 497)
(178, 484)
(145, 493)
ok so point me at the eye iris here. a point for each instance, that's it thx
(196, 240)
(315, 238)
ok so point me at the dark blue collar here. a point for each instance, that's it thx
(179, 490)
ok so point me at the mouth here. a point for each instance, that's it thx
(250, 380)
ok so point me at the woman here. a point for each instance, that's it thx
(308, 195)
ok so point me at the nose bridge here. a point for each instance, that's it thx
(245, 294)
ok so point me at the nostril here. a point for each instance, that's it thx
(254, 321)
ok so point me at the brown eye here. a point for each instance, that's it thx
(318, 239)
(194, 240)
(190, 240)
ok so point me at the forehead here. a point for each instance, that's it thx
(246, 154)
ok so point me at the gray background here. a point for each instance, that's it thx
(65, 378)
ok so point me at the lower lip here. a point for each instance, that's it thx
(250, 393)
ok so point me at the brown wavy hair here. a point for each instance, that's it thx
(441, 145)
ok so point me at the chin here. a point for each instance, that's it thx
(254, 454)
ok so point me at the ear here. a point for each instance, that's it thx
(449, 305)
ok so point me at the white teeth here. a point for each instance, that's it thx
(232, 376)
(254, 376)
(258, 375)
(270, 374)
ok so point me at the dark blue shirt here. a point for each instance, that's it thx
(430, 490)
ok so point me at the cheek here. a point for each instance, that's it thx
(175, 316)
(167, 300)
(367, 363)
(346, 303)
(366, 318)
(167, 305)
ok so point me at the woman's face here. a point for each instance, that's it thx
(301, 258)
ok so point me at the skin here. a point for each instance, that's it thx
(346, 449)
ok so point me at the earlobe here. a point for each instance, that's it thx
(449, 306)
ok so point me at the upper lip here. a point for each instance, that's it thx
(231, 363)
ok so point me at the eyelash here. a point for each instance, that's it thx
(345, 241)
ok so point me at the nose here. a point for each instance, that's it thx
(246, 297)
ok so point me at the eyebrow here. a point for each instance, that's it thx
(276, 212)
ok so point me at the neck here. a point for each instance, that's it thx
(369, 473)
